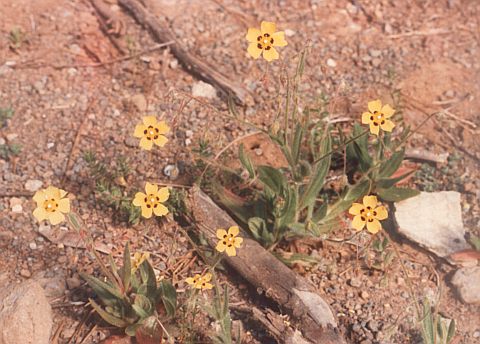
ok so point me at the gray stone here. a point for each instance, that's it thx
(434, 221)
(25, 314)
(467, 284)
(33, 185)
(202, 89)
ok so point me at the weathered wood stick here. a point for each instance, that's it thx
(292, 292)
(162, 33)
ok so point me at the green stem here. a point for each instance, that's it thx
(341, 146)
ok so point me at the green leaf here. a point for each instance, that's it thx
(386, 183)
(391, 165)
(320, 213)
(142, 306)
(395, 194)
(132, 329)
(127, 268)
(147, 274)
(169, 297)
(358, 149)
(259, 230)
(358, 190)
(475, 242)
(451, 331)
(104, 290)
(289, 209)
(427, 324)
(246, 161)
(297, 140)
(272, 178)
(112, 320)
(318, 178)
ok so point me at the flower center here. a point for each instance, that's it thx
(151, 133)
(368, 214)
(50, 205)
(151, 201)
(377, 118)
(265, 42)
(228, 240)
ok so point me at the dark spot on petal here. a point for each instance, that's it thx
(266, 35)
(259, 38)
(271, 40)
(371, 118)
(224, 242)
(259, 46)
(370, 220)
(145, 131)
(225, 236)
(382, 122)
(145, 199)
(156, 130)
(363, 218)
(155, 137)
(267, 48)
(229, 245)
(375, 124)
(149, 138)
(374, 213)
(155, 205)
(149, 206)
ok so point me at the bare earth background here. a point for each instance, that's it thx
(426, 52)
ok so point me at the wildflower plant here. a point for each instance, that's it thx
(131, 298)
(264, 40)
(151, 132)
(151, 201)
(288, 202)
(52, 205)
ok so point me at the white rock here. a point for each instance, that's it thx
(434, 221)
(33, 185)
(467, 284)
(202, 89)
(289, 33)
(331, 63)
(25, 314)
(17, 209)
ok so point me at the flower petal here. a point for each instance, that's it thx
(55, 217)
(355, 209)
(149, 121)
(375, 105)
(271, 54)
(233, 230)
(39, 197)
(254, 51)
(382, 213)
(151, 189)
(238, 242)
(189, 280)
(221, 233)
(253, 34)
(160, 140)
(139, 199)
(220, 246)
(146, 143)
(231, 251)
(139, 130)
(64, 205)
(63, 193)
(163, 194)
(207, 286)
(366, 117)
(279, 39)
(387, 111)
(207, 277)
(374, 129)
(160, 210)
(358, 223)
(374, 226)
(388, 125)
(268, 27)
(370, 201)
(146, 212)
(162, 127)
(52, 192)
(40, 214)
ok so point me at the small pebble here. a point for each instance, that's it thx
(355, 282)
(32, 245)
(25, 273)
(33, 185)
(331, 63)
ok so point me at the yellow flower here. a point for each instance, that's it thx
(264, 40)
(51, 205)
(138, 259)
(152, 200)
(378, 117)
(368, 213)
(151, 132)
(228, 241)
(200, 282)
